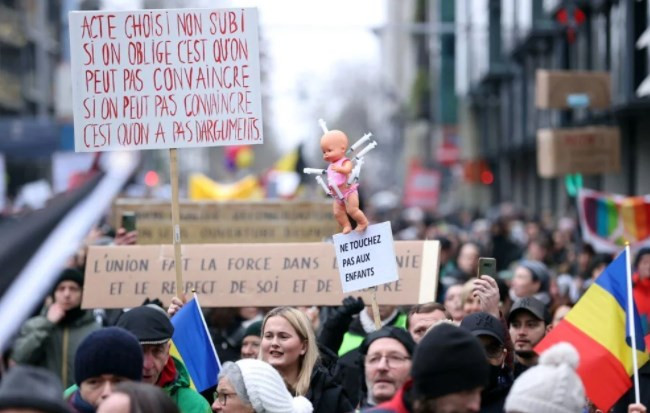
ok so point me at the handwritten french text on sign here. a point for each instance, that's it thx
(366, 260)
(237, 275)
(156, 79)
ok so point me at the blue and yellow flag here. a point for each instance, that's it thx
(193, 345)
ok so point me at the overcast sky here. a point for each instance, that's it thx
(308, 41)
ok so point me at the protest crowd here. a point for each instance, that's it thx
(472, 350)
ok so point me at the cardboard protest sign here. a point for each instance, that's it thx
(210, 222)
(588, 150)
(366, 260)
(236, 275)
(553, 88)
(152, 79)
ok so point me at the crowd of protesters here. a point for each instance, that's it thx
(472, 350)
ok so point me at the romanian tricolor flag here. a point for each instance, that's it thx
(192, 344)
(598, 327)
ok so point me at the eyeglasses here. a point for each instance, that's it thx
(392, 360)
(222, 397)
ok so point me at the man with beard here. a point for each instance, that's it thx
(492, 335)
(448, 373)
(50, 340)
(529, 321)
(387, 363)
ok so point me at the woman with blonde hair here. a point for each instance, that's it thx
(289, 345)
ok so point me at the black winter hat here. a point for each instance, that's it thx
(111, 350)
(483, 323)
(69, 274)
(148, 323)
(448, 360)
(28, 387)
(398, 334)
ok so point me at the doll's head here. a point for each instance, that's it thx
(333, 143)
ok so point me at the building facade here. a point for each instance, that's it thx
(500, 46)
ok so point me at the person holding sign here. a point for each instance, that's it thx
(289, 345)
(154, 331)
(334, 144)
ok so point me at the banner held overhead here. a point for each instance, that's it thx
(153, 79)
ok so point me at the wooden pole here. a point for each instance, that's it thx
(375, 309)
(176, 227)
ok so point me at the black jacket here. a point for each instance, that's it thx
(493, 400)
(326, 394)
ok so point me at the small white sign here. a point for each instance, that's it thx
(154, 79)
(368, 259)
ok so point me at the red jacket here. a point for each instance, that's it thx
(642, 300)
(642, 294)
(396, 404)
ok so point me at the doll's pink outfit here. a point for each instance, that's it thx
(338, 179)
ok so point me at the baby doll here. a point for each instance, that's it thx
(334, 143)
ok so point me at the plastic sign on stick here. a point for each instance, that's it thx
(157, 79)
(366, 259)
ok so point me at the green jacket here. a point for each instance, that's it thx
(53, 346)
(187, 399)
(354, 337)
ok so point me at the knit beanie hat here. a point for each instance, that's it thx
(267, 391)
(28, 387)
(254, 329)
(111, 350)
(69, 274)
(550, 387)
(449, 359)
(539, 271)
(395, 333)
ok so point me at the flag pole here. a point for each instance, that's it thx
(630, 317)
(176, 229)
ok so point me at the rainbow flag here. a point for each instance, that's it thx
(608, 220)
(192, 344)
(598, 326)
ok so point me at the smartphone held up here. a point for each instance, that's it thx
(487, 266)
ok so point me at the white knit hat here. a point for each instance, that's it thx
(550, 387)
(267, 391)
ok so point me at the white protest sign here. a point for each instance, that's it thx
(366, 260)
(153, 79)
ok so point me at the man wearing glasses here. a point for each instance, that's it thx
(492, 335)
(387, 363)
